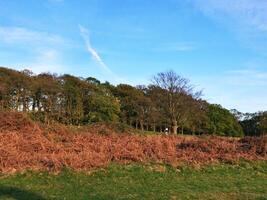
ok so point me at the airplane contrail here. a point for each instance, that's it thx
(85, 35)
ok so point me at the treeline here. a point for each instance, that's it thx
(253, 124)
(170, 101)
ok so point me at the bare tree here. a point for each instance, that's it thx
(174, 89)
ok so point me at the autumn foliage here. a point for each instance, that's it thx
(27, 145)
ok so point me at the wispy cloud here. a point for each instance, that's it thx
(43, 51)
(251, 13)
(48, 60)
(173, 47)
(247, 77)
(12, 35)
(45, 60)
(56, 1)
(243, 89)
(85, 35)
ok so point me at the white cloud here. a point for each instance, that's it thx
(247, 77)
(46, 60)
(85, 35)
(49, 55)
(43, 51)
(56, 1)
(251, 13)
(173, 47)
(243, 89)
(14, 35)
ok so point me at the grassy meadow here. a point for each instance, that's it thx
(223, 181)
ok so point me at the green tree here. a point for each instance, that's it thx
(255, 124)
(223, 122)
(103, 108)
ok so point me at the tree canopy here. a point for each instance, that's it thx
(169, 101)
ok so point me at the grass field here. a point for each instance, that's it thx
(244, 181)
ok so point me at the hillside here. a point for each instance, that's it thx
(27, 145)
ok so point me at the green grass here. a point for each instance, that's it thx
(246, 181)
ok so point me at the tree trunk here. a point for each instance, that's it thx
(142, 125)
(154, 128)
(17, 102)
(214, 130)
(33, 104)
(24, 104)
(130, 122)
(174, 127)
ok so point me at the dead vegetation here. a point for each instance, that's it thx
(26, 145)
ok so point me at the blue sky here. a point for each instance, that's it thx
(220, 45)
